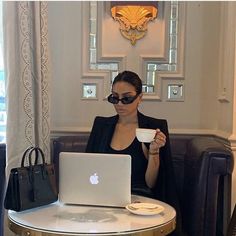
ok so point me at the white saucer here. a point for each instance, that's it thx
(144, 208)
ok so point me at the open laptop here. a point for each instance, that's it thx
(95, 179)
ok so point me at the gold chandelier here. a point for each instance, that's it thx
(133, 17)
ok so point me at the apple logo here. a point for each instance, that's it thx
(94, 179)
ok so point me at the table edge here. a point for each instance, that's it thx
(24, 230)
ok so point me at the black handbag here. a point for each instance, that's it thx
(31, 186)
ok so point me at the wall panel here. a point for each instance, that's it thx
(69, 111)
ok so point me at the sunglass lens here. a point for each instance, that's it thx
(113, 100)
(127, 100)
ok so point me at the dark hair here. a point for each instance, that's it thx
(131, 78)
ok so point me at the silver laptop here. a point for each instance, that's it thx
(95, 179)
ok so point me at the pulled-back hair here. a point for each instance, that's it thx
(131, 78)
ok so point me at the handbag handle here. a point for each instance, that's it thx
(24, 155)
(29, 151)
(37, 150)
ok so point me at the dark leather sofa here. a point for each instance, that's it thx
(203, 167)
(2, 183)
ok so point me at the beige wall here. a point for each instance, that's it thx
(209, 70)
(200, 76)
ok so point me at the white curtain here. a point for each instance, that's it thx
(26, 62)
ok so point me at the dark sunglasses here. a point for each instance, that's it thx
(125, 100)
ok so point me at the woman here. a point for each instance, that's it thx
(152, 169)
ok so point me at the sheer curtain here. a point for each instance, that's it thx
(26, 62)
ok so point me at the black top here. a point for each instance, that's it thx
(138, 162)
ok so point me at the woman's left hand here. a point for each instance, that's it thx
(158, 142)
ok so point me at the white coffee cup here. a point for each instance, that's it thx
(145, 135)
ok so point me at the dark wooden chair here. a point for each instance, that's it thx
(232, 224)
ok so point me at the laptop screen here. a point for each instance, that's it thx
(95, 179)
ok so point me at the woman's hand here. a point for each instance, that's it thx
(158, 142)
(153, 158)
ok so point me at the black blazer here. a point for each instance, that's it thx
(100, 138)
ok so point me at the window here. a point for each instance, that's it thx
(3, 116)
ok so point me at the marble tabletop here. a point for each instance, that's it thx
(59, 219)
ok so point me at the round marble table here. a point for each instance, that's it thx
(59, 220)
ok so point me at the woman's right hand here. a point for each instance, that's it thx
(158, 142)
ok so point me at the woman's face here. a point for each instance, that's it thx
(121, 90)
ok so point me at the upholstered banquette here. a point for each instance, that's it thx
(203, 167)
